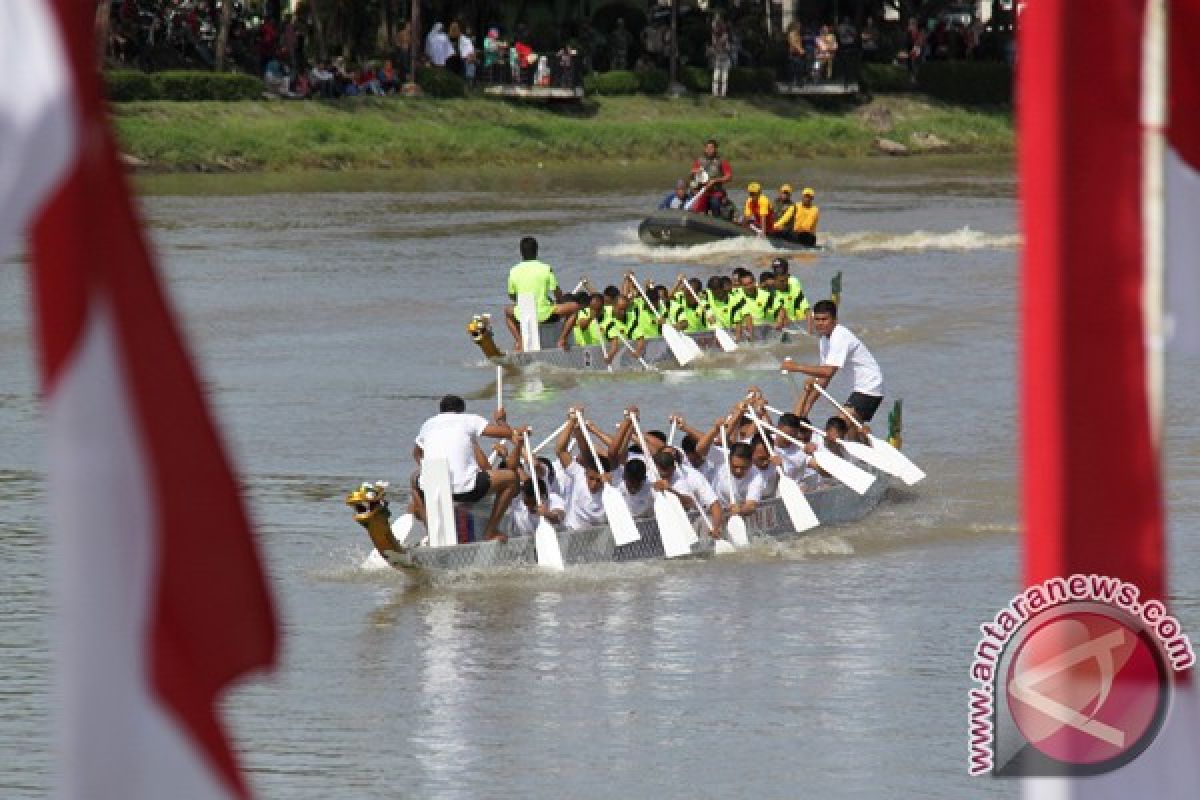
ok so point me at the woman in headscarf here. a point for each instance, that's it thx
(437, 46)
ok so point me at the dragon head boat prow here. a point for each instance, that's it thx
(370, 505)
(480, 331)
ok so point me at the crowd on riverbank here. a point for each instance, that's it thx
(289, 50)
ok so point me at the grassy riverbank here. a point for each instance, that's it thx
(423, 133)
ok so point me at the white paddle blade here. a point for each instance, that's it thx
(725, 340)
(735, 529)
(674, 539)
(871, 455)
(545, 541)
(406, 534)
(624, 529)
(685, 522)
(531, 336)
(856, 478)
(439, 502)
(684, 348)
(723, 548)
(799, 511)
(909, 472)
(374, 561)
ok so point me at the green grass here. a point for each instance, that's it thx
(426, 133)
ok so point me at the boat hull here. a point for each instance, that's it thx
(657, 354)
(686, 229)
(833, 504)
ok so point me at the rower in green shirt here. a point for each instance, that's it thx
(536, 278)
(795, 304)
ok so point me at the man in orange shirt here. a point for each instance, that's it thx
(757, 213)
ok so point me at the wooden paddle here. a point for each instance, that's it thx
(616, 510)
(735, 526)
(856, 478)
(886, 457)
(674, 526)
(797, 505)
(723, 337)
(549, 439)
(684, 348)
(545, 538)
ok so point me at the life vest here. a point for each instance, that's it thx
(759, 213)
(718, 310)
(792, 299)
(764, 306)
(590, 334)
(806, 219)
(684, 317)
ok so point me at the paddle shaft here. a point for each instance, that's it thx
(845, 412)
(550, 438)
(629, 347)
(533, 476)
(587, 437)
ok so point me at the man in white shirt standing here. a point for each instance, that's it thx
(839, 348)
(451, 435)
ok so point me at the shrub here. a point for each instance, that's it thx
(124, 86)
(612, 82)
(696, 79)
(885, 78)
(967, 82)
(751, 80)
(182, 85)
(653, 81)
(438, 82)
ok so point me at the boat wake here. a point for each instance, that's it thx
(918, 241)
(721, 253)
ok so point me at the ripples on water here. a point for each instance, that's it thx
(327, 324)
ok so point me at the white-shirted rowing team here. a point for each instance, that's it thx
(701, 471)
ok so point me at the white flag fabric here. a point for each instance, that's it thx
(162, 602)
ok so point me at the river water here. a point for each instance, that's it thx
(327, 316)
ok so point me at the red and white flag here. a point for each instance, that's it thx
(162, 601)
(1182, 178)
(1091, 483)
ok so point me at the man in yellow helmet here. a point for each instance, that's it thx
(800, 225)
(757, 214)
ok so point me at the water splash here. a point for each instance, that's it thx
(962, 239)
(720, 253)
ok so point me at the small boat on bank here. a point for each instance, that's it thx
(834, 505)
(591, 357)
(687, 229)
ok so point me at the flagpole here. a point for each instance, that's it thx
(1153, 115)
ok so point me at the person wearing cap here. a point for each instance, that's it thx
(677, 199)
(757, 214)
(802, 227)
(785, 208)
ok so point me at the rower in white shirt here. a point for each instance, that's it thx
(693, 490)
(523, 515)
(583, 485)
(740, 485)
(451, 435)
(839, 348)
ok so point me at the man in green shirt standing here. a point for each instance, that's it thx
(535, 278)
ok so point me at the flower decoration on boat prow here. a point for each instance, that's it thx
(368, 500)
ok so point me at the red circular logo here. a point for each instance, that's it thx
(1085, 688)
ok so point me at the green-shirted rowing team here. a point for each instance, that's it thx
(736, 302)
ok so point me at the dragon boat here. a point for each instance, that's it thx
(834, 505)
(687, 228)
(591, 357)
